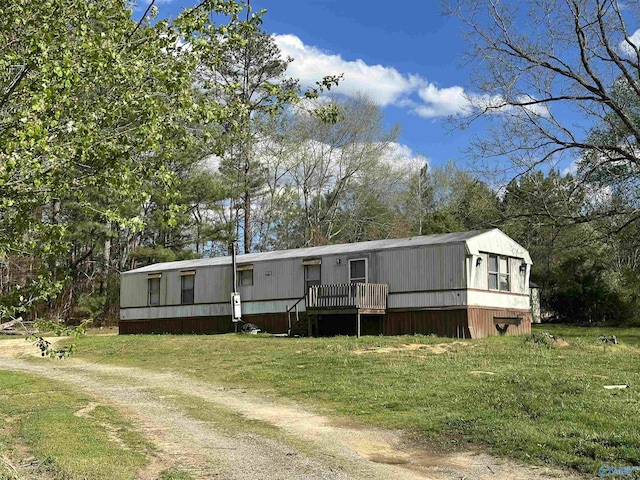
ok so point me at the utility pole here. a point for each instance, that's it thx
(236, 308)
(423, 171)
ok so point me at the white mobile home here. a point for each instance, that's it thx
(468, 285)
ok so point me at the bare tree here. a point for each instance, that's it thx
(315, 168)
(559, 83)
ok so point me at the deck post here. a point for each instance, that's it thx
(309, 325)
(316, 322)
(358, 315)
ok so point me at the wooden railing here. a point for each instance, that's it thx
(368, 296)
(295, 309)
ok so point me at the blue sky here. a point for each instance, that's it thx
(405, 56)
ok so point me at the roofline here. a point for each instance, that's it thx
(239, 261)
(304, 252)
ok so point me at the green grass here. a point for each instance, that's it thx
(590, 335)
(37, 420)
(541, 404)
(174, 474)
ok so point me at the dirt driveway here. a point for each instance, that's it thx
(213, 431)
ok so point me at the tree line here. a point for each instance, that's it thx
(126, 143)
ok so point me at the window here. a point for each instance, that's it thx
(245, 275)
(153, 290)
(499, 273)
(311, 275)
(358, 270)
(187, 287)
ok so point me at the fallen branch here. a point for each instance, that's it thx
(6, 325)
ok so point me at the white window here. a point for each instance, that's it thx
(358, 270)
(153, 291)
(499, 273)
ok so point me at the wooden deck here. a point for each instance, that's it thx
(367, 298)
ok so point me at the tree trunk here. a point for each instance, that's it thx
(106, 260)
(247, 222)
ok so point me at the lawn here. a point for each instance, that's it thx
(51, 431)
(525, 398)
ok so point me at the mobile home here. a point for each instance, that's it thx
(467, 285)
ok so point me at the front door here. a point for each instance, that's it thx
(311, 276)
(357, 274)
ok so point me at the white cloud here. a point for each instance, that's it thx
(572, 169)
(440, 102)
(523, 104)
(634, 39)
(402, 155)
(385, 85)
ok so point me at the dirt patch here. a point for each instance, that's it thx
(437, 348)
(480, 372)
(24, 348)
(310, 446)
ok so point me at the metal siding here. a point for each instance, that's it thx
(495, 241)
(435, 267)
(133, 290)
(445, 298)
(481, 322)
(498, 300)
(208, 310)
(447, 323)
(163, 288)
(478, 277)
(286, 280)
(269, 306)
(177, 325)
(333, 272)
(218, 324)
(171, 286)
(212, 284)
(519, 280)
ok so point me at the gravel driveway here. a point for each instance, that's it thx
(257, 437)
